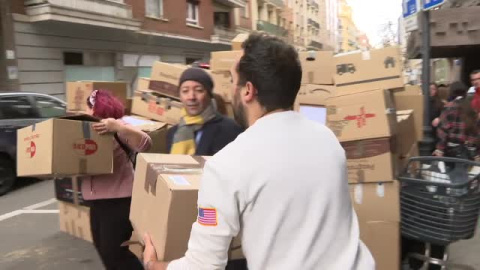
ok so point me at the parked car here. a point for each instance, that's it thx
(19, 110)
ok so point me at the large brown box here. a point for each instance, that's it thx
(151, 105)
(367, 70)
(318, 67)
(75, 220)
(63, 147)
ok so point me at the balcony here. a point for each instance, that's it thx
(222, 35)
(315, 45)
(106, 13)
(276, 3)
(232, 3)
(271, 28)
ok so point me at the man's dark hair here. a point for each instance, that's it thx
(273, 67)
(476, 71)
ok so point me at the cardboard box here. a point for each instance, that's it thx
(166, 186)
(315, 94)
(378, 209)
(384, 242)
(222, 80)
(371, 160)
(238, 41)
(360, 71)
(411, 100)
(153, 106)
(406, 134)
(143, 83)
(165, 78)
(361, 116)
(128, 106)
(63, 147)
(318, 67)
(75, 220)
(403, 159)
(78, 92)
(224, 60)
(156, 130)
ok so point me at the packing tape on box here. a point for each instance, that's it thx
(34, 126)
(82, 162)
(155, 169)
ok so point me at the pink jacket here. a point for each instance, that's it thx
(120, 183)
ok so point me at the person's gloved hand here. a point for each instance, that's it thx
(108, 125)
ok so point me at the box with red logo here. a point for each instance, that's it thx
(152, 105)
(78, 92)
(361, 116)
(63, 147)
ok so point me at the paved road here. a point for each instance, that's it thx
(31, 239)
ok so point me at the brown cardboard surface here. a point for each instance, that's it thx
(378, 209)
(318, 67)
(165, 77)
(406, 134)
(361, 116)
(314, 94)
(78, 92)
(411, 101)
(152, 106)
(222, 80)
(156, 130)
(128, 106)
(224, 60)
(376, 201)
(383, 241)
(143, 84)
(403, 160)
(360, 71)
(166, 186)
(370, 160)
(62, 147)
(238, 41)
(75, 220)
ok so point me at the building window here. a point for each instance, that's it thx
(222, 20)
(192, 12)
(154, 8)
(246, 10)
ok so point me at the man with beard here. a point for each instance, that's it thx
(202, 130)
(282, 182)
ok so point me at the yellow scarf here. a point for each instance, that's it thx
(184, 137)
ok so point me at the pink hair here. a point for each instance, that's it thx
(106, 105)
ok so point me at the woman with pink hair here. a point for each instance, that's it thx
(110, 195)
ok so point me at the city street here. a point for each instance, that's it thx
(31, 238)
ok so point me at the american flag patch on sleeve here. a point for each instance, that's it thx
(207, 216)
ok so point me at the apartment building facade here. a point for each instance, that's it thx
(348, 31)
(56, 41)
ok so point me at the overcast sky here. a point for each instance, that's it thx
(370, 15)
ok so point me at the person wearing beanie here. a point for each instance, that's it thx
(202, 130)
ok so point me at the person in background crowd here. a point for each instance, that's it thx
(475, 80)
(109, 196)
(436, 106)
(459, 126)
(202, 130)
(267, 184)
(457, 90)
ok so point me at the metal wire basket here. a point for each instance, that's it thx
(440, 199)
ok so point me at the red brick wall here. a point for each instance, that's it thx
(175, 11)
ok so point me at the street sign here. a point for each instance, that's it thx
(429, 4)
(410, 8)
(411, 23)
